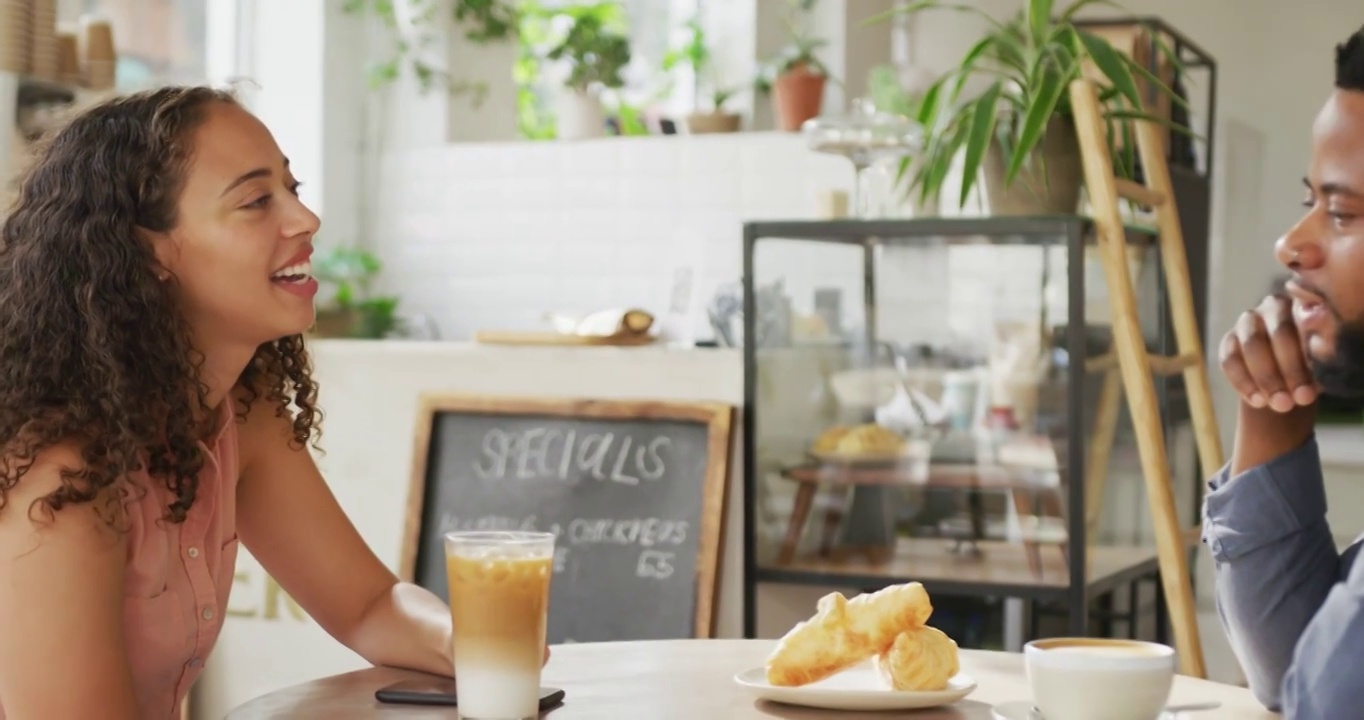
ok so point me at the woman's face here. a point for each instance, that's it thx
(240, 246)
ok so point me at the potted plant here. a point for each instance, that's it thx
(695, 52)
(598, 50)
(352, 311)
(1018, 134)
(415, 24)
(796, 77)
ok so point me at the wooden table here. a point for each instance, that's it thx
(686, 679)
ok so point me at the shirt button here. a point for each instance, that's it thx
(208, 613)
(193, 552)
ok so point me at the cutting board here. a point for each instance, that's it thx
(523, 337)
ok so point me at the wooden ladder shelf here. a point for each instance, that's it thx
(1129, 369)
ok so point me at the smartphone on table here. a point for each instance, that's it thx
(441, 691)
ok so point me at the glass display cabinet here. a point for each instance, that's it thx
(935, 400)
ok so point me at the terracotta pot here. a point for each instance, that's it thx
(797, 96)
(1030, 193)
(712, 122)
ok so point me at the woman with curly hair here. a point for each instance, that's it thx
(156, 404)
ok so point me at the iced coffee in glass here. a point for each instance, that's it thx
(499, 602)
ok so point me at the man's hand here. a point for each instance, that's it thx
(1265, 360)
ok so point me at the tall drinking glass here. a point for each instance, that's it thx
(499, 603)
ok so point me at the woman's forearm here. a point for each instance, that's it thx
(406, 626)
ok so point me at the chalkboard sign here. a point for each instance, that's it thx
(633, 490)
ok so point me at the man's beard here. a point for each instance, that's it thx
(1343, 374)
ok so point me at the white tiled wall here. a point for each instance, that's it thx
(496, 235)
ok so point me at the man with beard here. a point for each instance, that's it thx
(1291, 604)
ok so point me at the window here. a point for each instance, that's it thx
(653, 28)
(158, 41)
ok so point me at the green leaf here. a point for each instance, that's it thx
(1138, 69)
(1158, 39)
(921, 5)
(1129, 147)
(982, 132)
(1010, 51)
(1109, 61)
(1166, 122)
(938, 160)
(1118, 158)
(943, 161)
(1039, 19)
(1069, 15)
(383, 73)
(963, 77)
(1036, 120)
(928, 105)
(977, 51)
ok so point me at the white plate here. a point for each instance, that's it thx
(857, 688)
(1023, 710)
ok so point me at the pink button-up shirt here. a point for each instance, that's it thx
(178, 577)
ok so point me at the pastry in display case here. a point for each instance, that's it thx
(865, 444)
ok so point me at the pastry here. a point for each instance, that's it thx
(827, 442)
(920, 659)
(870, 439)
(845, 632)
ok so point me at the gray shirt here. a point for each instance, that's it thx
(1292, 605)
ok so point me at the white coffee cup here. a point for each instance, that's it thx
(1099, 678)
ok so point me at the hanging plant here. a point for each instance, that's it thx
(484, 22)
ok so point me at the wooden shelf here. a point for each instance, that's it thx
(1001, 567)
(936, 476)
(33, 91)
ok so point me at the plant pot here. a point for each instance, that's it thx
(579, 115)
(1031, 192)
(797, 96)
(712, 122)
(335, 322)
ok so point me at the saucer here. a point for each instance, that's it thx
(1022, 710)
(857, 688)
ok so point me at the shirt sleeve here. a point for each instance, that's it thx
(1275, 564)
(1324, 680)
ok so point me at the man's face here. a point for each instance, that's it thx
(1325, 250)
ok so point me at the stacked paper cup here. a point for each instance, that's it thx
(14, 37)
(68, 58)
(44, 53)
(97, 52)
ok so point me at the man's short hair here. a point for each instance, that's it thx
(1350, 63)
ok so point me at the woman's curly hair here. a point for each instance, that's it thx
(94, 348)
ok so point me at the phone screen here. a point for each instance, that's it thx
(441, 691)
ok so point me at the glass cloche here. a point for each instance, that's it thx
(869, 138)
